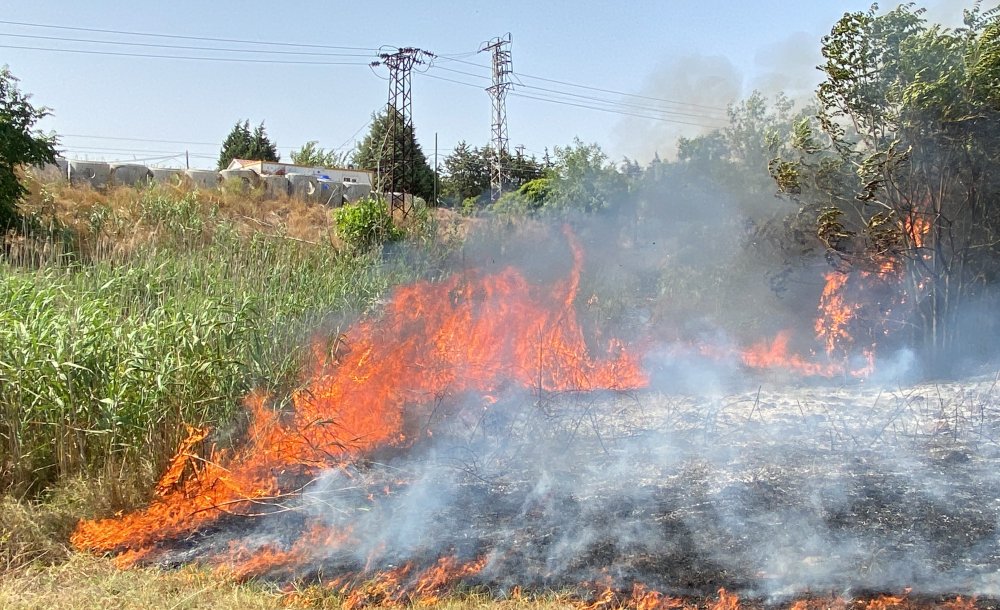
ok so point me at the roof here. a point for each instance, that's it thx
(290, 167)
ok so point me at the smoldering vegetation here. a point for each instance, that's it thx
(768, 492)
(720, 473)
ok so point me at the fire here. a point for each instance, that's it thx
(885, 602)
(727, 601)
(916, 228)
(405, 585)
(775, 354)
(639, 598)
(835, 312)
(372, 388)
(470, 333)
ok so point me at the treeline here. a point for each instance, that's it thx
(892, 174)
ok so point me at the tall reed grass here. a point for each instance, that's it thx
(123, 318)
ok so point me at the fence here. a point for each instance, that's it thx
(100, 175)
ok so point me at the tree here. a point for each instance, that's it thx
(241, 143)
(523, 169)
(580, 179)
(584, 179)
(900, 170)
(20, 144)
(467, 174)
(310, 154)
(374, 153)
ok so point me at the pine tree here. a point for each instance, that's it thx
(374, 154)
(241, 143)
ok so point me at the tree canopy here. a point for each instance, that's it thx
(20, 144)
(468, 173)
(900, 169)
(241, 143)
(311, 154)
(375, 154)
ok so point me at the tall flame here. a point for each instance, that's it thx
(471, 332)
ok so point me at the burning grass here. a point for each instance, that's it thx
(131, 313)
(466, 434)
(467, 437)
(87, 582)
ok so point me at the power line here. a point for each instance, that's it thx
(119, 160)
(455, 57)
(598, 99)
(189, 57)
(632, 114)
(625, 104)
(183, 37)
(591, 88)
(587, 106)
(355, 135)
(121, 150)
(636, 95)
(183, 47)
(75, 135)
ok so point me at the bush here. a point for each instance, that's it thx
(20, 144)
(366, 224)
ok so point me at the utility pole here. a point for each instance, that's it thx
(398, 178)
(502, 69)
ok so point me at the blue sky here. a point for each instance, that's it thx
(689, 58)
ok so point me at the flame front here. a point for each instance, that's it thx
(472, 333)
(469, 333)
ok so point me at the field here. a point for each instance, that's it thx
(456, 442)
(125, 316)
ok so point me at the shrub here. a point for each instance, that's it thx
(366, 224)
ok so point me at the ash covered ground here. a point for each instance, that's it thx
(770, 490)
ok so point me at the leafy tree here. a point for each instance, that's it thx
(901, 167)
(584, 179)
(467, 174)
(241, 143)
(310, 154)
(581, 178)
(375, 154)
(528, 198)
(20, 144)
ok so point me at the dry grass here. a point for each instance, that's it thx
(88, 582)
(31, 533)
(118, 214)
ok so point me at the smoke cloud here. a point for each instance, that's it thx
(702, 86)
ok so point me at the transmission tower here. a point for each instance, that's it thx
(397, 174)
(502, 69)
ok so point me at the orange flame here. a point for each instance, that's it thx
(471, 332)
(835, 313)
(775, 354)
(727, 601)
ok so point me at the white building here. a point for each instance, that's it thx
(334, 174)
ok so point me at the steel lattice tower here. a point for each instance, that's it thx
(502, 69)
(398, 175)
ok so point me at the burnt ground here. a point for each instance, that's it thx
(770, 492)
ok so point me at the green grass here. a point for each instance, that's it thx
(106, 351)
